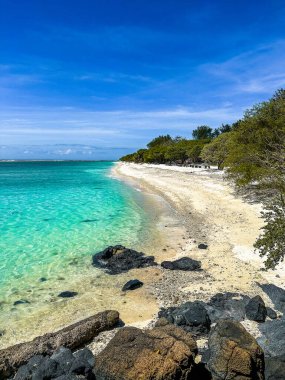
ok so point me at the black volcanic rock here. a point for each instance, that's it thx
(202, 246)
(132, 285)
(118, 259)
(191, 316)
(67, 294)
(185, 264)
(256, 310)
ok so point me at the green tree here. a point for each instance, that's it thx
(202, 132)
(160, 140)
(257, 156)
(217, 150)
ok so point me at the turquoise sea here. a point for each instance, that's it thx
(53, 217)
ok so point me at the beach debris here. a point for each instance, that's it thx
(256, 310)
(118, 259)
(202, 246)
(185, 263)
(234, 353)
(73, 336)
(164, 352)
(67, 294)
(191, 316)
(132, 285)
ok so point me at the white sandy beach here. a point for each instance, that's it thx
(211, 213)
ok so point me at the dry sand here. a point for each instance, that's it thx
(210, 212)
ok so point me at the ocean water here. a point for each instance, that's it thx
(53, 217)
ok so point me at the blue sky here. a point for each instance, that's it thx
(96, 79)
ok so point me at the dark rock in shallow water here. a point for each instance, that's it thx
(132, 285)
(165, 352)
(255, 309)
(275, 368)
(67, 294)
(20, 302)
(42, 279)
(271, 313)
(185, 263)
(73, 336)
(89, 220)
(191, 316)
(227, 306)
(118, 259)
(234, 353)
(202, 246)
(276, 294)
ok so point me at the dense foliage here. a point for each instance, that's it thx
(252, 151)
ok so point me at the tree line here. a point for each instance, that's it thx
(252, 152)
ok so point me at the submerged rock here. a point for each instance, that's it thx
(256, 310)
(118, 259)
(132, 285)
(67, 294)
(165, 352)
(185, 263)
(191, 316)
(234, 353)
(21, 302)
(72, 337)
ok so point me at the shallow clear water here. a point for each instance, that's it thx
(54, 215)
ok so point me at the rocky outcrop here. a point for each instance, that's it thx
(256, 310)
(234, 353)
(165, 352)
(118, 259)
(227, 306)
(275, 368)
(73, 336)
(191, 316)
(185, 263)
(61, 365)
(276, 294)
(132, 285)
(272, 338)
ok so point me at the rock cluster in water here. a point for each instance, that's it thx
(118, 259)
(167, 351)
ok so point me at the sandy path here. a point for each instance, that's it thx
(213, 214)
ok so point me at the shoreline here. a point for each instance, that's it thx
(211, 213)
(193, 206)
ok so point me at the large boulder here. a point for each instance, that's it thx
(73, 336)
(185, 263)
(118, 259)
(191, 316)
(227, 306)
(272, 337)
(234, 353)
(165, 352)
(255, 309)
(276, 294)
(275, 368)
